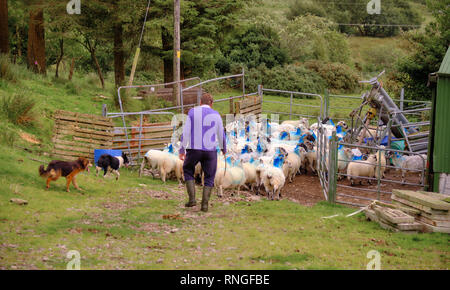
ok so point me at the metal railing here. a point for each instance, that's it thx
(378, 178)
(291, 104)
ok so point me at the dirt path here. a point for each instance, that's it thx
(306, 189)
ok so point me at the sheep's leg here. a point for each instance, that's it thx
(163, 175)
(403, 177)
(117, 174)
(142, 166)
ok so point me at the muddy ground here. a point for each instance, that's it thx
(306, 189)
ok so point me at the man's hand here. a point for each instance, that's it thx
(182, 156)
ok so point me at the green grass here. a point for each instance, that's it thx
(120, 224)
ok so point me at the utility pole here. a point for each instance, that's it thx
(176, 50)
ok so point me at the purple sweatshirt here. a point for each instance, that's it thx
(203, 130)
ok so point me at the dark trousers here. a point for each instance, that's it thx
(208, 160)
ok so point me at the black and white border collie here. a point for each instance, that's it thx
(111, 164)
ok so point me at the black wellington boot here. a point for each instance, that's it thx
(190, 186)
(205, 199)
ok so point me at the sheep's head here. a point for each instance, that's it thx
(372, 158)
(343, 124)
(348, 152)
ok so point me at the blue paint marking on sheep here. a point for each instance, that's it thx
(278, 161)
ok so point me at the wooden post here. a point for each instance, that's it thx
(133, 68)
(176, 50)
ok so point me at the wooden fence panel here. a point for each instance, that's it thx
(161, 136)
(77, 135)
(249, 105)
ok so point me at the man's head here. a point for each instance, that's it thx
(206, 99)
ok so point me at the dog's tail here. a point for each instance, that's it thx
(49, 172)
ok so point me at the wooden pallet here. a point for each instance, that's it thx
(250, 105)
(162, 133)
(423, 199)
(77, 135)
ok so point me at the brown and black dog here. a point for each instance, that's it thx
(68, 169)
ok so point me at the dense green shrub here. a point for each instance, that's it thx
(18, 109)
(251, 47)
(289, 77)
(339, 77)
(312, 37)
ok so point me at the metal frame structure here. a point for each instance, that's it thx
(167, 110)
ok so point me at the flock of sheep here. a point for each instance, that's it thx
(266, 155)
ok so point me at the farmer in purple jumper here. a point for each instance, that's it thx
(203, 131)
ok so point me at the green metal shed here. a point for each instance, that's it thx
(439, 153)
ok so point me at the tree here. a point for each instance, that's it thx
(204, 25)
(4, 33)
(354, 12)
(430, 47)
(255, 45)
(36, 40)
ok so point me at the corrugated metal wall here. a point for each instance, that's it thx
(441, 156)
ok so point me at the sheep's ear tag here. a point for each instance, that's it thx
(244, 150)
(247, 129)
(283, 135)
(248, 139)
(252, 160)
(170, 148)
(298, 132)
(339, 129)
(340, 147)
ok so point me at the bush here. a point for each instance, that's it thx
(256, 45)
(310, 37)
(339, 77)
(289, 77)
(6, 69)
(18, 109)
